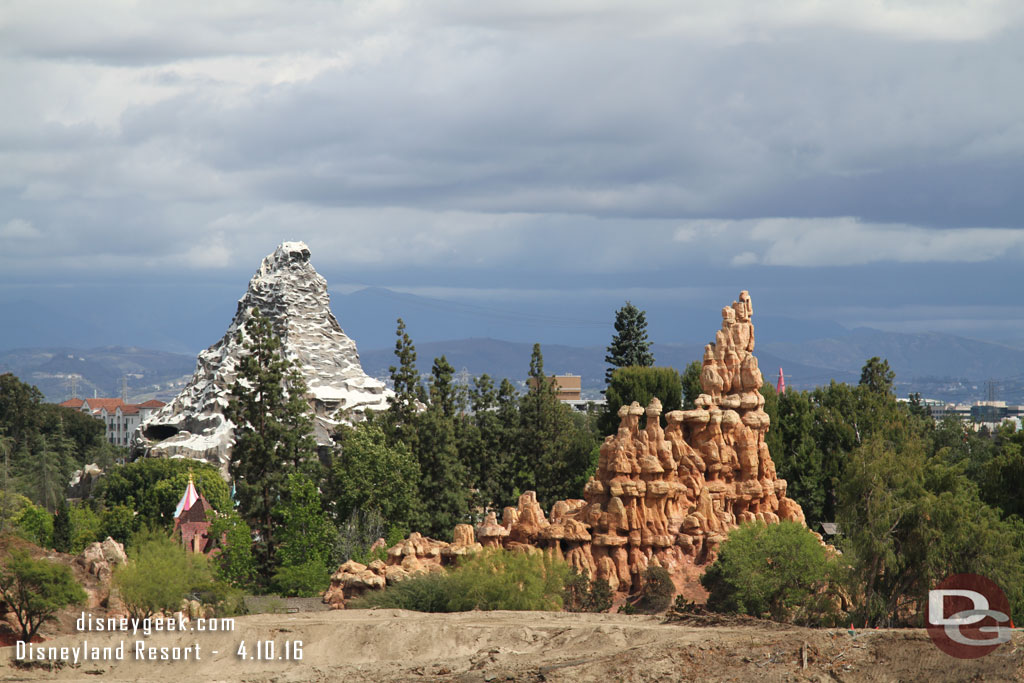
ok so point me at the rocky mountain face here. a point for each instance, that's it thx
(662, 496)
(288, 291)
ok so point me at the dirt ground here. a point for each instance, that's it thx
(394, 645)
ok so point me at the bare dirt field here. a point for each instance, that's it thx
(394, 645)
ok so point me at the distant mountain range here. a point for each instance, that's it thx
(938, 366)
(48, 344)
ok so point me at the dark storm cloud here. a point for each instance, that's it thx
(472, 143)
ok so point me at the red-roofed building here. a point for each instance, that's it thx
(120, 418)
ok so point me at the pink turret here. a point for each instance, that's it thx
(780, 386)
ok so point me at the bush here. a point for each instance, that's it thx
(488, 580)
(657, 591)
(771, 570)
(583, 595)
(159, 574)
(35, 525)
(302, 580)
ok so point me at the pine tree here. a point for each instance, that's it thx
(629, 345)
(62, 527)
(409, 394)
(272, 431)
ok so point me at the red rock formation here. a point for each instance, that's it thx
(661, 496)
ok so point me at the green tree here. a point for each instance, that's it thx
(6, 512)
(555, 445)
(443, 477)
(773, 570)
(62, 527)
(368, 474)
(159, 575)
(876, 376)
(85, 527)
(35, 525)
(272, 431)
(910, 519)
(409, 394)
(640, 384)
(119, 522)
(797, 456)
(36, 589)
(234, 563)
(306, 539)
(629, 344)
(691, 385)
(152, 487)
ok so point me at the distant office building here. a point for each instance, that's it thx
(980, 413)
(567, 387)
(120, 419)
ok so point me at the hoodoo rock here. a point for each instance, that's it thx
(664, 496)
(288, 291)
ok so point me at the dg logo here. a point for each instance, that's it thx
(968, 616)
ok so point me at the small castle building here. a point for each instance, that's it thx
(190, 520)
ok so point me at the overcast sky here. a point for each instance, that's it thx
(858, 161)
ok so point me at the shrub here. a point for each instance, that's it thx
(159, 574)
(770, 570)
(657, 591)
(488, 580)
(583, 595)
(302, 580)
(35, 525)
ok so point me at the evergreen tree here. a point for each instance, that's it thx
(629, 345)
(444, 483)
(691, 385)
(876, 376)
(555, 446)
(306, 538)
(62, 527)
(405, 380)
(272, 431)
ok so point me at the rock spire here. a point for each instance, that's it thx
(662, 495)
(289, 291)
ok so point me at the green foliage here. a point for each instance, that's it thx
(36, 589)
(272, 431)
(42, 444)
(368, 474)
(306, 538)
(62, 527)
(235, 564)
(35, 525)
(657, 591)
(641, 384)
(691, 385)
(555, 444)
(629, 345)
(488, 580)
(85, 527)
(405, 380)
(159, 575)
(152, 487)
(119, 522)
(876, 376)
(301, 580)
(910, 519)
(770, 570)
(583, 595)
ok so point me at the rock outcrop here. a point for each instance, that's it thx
(100, 560)
(288, 291)
(662, 495)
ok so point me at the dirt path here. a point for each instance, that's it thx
(393, 645)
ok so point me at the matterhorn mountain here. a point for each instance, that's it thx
(288, 291)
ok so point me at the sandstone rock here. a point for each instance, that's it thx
(662, 497)
(289, 291)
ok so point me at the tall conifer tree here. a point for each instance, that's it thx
(273, 432)
(629, 345)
